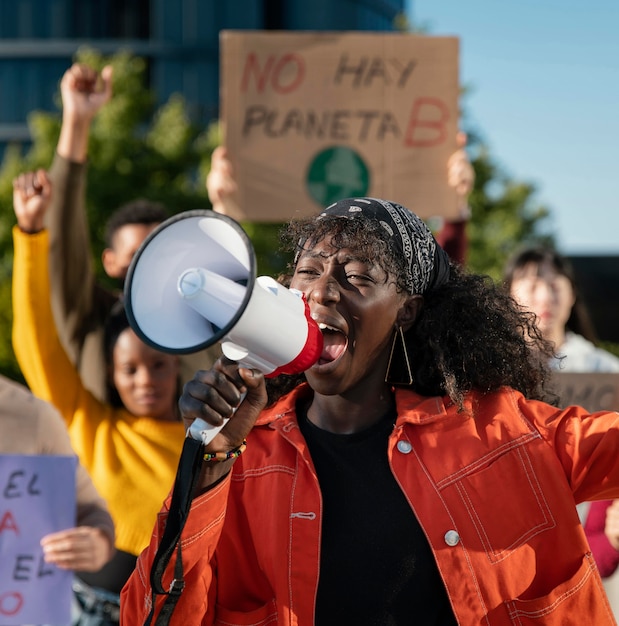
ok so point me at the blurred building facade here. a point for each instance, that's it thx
(179, 39)
(598, 282)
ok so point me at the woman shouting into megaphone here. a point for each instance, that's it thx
(413, 474)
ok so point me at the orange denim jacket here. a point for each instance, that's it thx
(494, 486)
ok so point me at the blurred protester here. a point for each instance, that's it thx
(30, 426)
(543, 282)
(131, 445)
(452, 235)
(80, 303)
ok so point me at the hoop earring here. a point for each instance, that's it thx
(399, 344)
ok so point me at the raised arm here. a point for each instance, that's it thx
(221, 184)
(84, 91)
(41, 357)
(452, 236)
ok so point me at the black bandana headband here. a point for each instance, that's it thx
(407, 234)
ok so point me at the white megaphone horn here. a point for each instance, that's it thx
(193, 283)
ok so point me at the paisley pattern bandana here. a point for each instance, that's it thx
(407, 234)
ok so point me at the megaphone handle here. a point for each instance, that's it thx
(205, 432)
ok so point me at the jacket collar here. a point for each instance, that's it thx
(411, 407)
(285, 407)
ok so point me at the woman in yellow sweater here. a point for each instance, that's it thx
(130, 447)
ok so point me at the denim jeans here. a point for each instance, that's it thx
(94, 607)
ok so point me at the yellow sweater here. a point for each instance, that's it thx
(132, 460)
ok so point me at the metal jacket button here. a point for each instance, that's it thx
(404, 447)
(452, 538)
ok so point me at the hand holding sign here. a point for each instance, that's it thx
(221, 185)
(83, 549)
(460, 174)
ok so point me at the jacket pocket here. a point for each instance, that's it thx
(517, 508)
(579, 600)
(263, 616)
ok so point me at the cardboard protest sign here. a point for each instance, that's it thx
(312, 117)
(594, 392)
(37, 497)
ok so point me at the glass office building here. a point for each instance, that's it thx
(179, 38)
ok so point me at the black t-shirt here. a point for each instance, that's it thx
(114, 574)
(376, 565)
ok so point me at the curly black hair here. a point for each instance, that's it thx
(140, 211)
(469, 335)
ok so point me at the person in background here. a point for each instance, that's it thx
(414, 473)
(542, 281)
(79, 302)
(31, 426)
(602, 529)
(131, 444)
(452, 235)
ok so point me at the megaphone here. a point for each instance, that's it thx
(192, 283)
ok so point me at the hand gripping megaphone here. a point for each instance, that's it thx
(193, 283)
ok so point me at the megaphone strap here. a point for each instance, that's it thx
(187, 476)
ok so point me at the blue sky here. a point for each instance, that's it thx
(544, 90)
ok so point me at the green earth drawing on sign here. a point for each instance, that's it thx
(335, 173)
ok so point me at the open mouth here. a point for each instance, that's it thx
(334, 343)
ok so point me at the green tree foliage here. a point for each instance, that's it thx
(505, 215)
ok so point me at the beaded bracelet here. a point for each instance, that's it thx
(224, 456)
